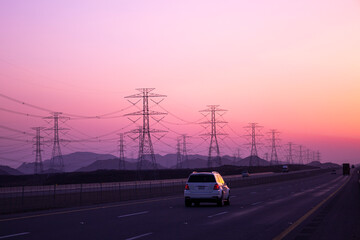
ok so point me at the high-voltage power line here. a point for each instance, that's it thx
(214, 145)
(145, 144)
(254, 128)
(57, 161)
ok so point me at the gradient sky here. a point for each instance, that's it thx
(289, 65)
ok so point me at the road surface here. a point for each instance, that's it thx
(257, 212)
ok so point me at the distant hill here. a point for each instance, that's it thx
(5, 170)
(225, 160)
(255, 161)
(72, 162)
(113, 164)
(192, 163)
(51, 171)
(324, 165)
(169, 160)
(88, 161)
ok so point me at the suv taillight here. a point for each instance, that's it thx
(216, 187)
(187, 187)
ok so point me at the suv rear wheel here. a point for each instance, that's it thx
(187, 203)
(220, 201)
(227, 202)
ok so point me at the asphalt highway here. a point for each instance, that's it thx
(257, 212)
(339, 218)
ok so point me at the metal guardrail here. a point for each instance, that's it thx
(46, 189)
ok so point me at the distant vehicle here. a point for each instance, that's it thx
(346, 169)
(206, 187)
(333, 171)
(353, 166)
(245, 173)
(285, 168)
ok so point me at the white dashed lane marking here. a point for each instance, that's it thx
(133, 214)
(14, 235)
(139, 236)
(218, 214)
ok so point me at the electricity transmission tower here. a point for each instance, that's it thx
(307, 156)
(140, 155)
(178, 154)
(274, 156)
(301, 155)
(318, 156)
(214, 145)
(238, 155)
(145, 145)
(57, 161)
(290, 153)
(38, 167)
(253, 134)
(185, 158)
(122, 152)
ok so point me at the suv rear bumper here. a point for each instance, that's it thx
(212, 199)
(203, 197)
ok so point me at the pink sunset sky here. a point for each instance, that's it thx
(293, 66)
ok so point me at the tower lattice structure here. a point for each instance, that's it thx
(301, 155)
(178, 154)
(274, 159)
(318, 158)
(307, 156)
(254, 127)
(121, 152)
(290, 159)
(185, 158)
(57, 161)
(145, 143)
(140, 154)
(313, 156)
(38, 166)
(238, 156)
(214, 111)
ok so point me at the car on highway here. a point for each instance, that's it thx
(245, 173)
(346, 169)
(206, 187)
(285, 168)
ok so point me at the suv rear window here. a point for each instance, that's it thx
(202, 178)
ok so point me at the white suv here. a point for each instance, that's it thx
(206, 187)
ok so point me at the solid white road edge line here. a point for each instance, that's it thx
(133, 214)
(139, 236)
